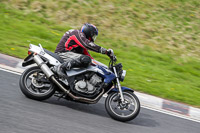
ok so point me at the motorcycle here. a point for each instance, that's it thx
(84, 85)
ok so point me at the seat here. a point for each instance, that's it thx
(54, 55)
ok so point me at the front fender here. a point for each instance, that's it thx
(123, 89)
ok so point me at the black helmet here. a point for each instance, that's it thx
(90, 31)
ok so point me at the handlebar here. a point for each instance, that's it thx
(113, 59)
(112, 55)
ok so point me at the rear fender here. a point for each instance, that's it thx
(28, 60)
(40, 51)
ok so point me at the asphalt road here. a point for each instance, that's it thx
(19, 114)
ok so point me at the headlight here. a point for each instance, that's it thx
(123, 75)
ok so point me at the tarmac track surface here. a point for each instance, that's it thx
(19, 114)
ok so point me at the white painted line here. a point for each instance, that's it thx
(170, 113)
(194, 112)
(18, 70)
(6, 70)
(143, 106)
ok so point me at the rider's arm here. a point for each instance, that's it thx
(91, 45)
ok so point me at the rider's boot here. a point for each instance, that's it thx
(83, 61)
(60, 70)
(66, 66)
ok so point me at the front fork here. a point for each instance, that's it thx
(119, 85)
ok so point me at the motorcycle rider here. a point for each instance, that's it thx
(74, 45)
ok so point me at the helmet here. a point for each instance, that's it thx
(90, 31)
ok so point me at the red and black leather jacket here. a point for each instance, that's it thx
(76, 41)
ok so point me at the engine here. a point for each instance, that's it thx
(88, 85)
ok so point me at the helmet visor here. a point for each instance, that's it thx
(94, 37)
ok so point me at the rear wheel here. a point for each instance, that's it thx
(122, 111)
(35, 85)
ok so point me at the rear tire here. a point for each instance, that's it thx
(35, 90)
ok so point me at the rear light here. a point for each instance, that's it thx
(29, 52)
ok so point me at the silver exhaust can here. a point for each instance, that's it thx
(43, 66)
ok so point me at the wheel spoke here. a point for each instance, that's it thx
(32, 87)
(132, 104)
(29, 86)
(30, 77)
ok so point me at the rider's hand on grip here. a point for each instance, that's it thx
(110, 52)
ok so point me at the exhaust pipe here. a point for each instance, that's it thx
(43, 66)
(83, 99)
(50, 75)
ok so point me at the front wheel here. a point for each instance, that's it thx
(122, 111)
(35, 85)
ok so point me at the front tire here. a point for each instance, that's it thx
(119, 111)
(35, 85)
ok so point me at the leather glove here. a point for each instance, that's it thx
(110, 52)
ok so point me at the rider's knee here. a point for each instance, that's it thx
(85, 60)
